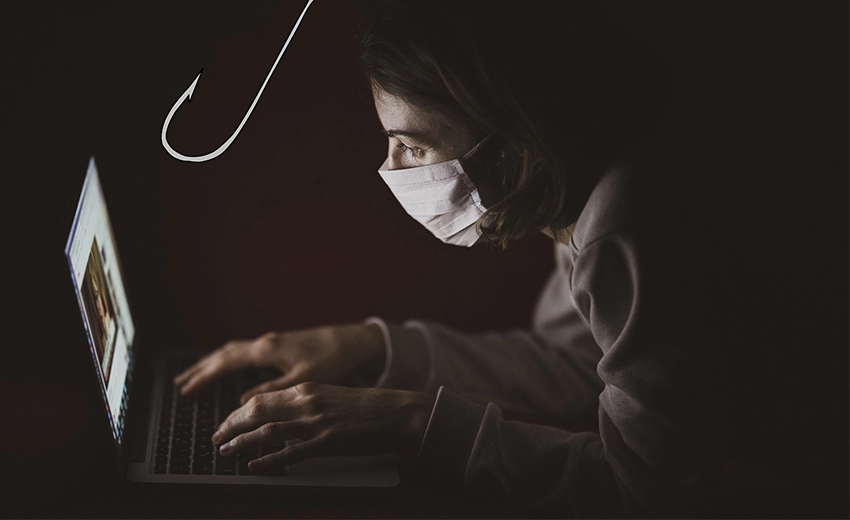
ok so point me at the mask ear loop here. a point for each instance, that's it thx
(473, 190)
(475, 148)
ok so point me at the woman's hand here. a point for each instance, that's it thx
(324, 354)
(330, 421)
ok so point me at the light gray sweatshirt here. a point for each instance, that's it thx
(587, 353)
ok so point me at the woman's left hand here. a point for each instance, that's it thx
(330, 421)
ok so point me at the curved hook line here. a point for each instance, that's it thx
(188, 95)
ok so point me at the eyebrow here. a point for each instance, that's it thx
(422, 138)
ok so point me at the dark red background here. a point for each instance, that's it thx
(291, 227)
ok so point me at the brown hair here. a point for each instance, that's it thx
(561, 85)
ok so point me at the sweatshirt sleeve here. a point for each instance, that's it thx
(547, 372)
(648, 458)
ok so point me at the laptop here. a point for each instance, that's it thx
(167, 439)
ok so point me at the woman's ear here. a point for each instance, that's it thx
(484, 170)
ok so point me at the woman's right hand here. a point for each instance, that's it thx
(328, 354)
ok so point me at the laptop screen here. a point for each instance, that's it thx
(93, 260)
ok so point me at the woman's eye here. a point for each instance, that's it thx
(410, 151)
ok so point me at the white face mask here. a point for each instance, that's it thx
(441, 197)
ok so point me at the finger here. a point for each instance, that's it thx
(267, 434)
(224, 362)
(290, 455)
(213, 355)
(182, 377)
(234, 355)
(261, 409)
(198, 380)
(281, 383)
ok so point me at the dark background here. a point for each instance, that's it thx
(291, 227)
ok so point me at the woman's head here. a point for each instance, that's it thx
(418, 135)
(557, 84)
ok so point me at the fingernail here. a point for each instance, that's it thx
(216, 437)
(225, 448)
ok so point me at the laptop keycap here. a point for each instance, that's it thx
(242, 462)
(225, 465)
(184, 445)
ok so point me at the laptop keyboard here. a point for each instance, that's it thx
(186, 425)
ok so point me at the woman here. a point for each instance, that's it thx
(660, 320)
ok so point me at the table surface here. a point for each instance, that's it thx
(75, 492)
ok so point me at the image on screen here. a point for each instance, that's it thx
(100, 310)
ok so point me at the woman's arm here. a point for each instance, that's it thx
(656, 452)
(548, 372)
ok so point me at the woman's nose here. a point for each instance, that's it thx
(392, 160)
